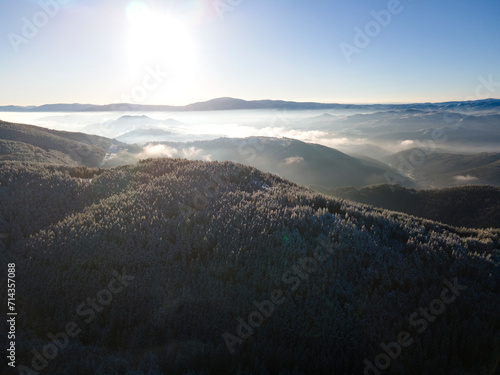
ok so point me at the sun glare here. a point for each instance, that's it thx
(156, 38)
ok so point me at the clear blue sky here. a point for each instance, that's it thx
(103, 51)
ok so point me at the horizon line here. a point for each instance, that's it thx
(252, 100)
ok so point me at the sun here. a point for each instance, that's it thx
(156, 38)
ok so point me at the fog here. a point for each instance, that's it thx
(373, 134)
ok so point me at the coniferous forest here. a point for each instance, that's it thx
(249, 187)
(172, 266)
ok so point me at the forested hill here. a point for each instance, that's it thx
(473, 206)
(161, 267)
(300, 162)
(28, 143)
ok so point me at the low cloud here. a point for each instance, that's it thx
(294, 160)
(467, 178)
(163, 151)
(158, 151)
(335, 142)
(311, 136)
(194, 153)
(303, 135)
(407, 143)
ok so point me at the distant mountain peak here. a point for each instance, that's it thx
(230, 103)
(134, 117)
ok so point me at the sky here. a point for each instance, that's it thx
(182, 51)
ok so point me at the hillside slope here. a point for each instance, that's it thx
(440, 169)
(24, 152)
(164, 266)
(20, 142)
(475, 206)
(301, 162)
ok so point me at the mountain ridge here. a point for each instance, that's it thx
(472, 206)
(228, 103)
(21, 142)
(301, 162)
